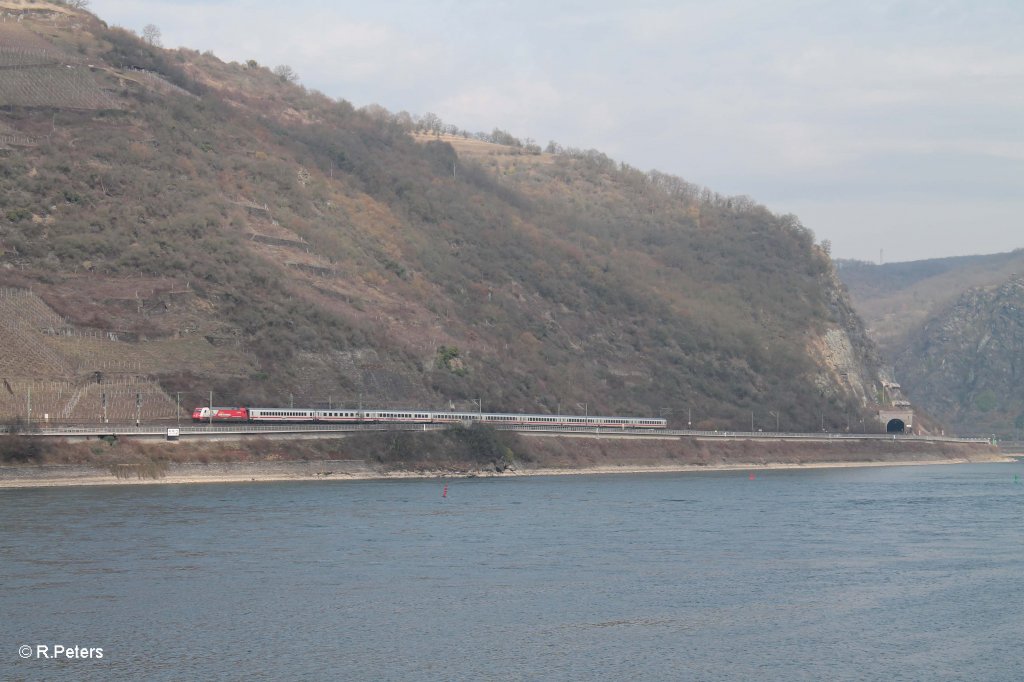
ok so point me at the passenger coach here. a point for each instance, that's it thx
(280, 415)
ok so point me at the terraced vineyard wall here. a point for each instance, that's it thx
(33, 74)
(52, 371)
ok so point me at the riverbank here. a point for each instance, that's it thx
(46, 476)
(434, 456)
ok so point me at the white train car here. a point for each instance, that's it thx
(279, 415)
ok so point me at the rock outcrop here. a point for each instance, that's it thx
(967, 362)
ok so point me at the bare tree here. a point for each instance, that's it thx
(151, 34)
(431, 123)
(286, 73)
(404, 119)
(78, 4)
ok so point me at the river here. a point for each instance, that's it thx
(894, 573)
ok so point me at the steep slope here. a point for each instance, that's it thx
(197, 207)
(935, 322)
(895, 299)
(967, 362)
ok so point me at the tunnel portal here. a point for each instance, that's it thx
(895, 426)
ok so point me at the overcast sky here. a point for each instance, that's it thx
(883, 125)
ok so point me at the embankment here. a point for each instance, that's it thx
(458, 452)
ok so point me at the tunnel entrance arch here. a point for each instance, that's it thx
(896, 419)
(895, 426)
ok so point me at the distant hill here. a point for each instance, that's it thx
(967, 361)
(896, 298)
(222, 228)
(951, 328)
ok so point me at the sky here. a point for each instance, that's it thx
(895, 130)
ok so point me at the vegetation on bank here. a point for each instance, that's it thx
(474, 451)
(474, 448)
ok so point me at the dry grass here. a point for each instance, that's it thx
(479, 150)
(15, 37)
(37, 5)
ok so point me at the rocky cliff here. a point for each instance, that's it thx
(966, 363)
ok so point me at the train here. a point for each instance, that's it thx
(282, 415)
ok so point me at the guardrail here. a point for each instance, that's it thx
(207, 430)
(824, 436)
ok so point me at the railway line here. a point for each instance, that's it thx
(286, 430)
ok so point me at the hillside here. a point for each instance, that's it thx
(967, 361)
(950, 327)
(895, 299)
(234, 232)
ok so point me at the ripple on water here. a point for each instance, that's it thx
(843, 574)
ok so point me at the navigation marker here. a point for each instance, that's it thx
(444, 493)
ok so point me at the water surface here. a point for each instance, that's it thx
(907, 573)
